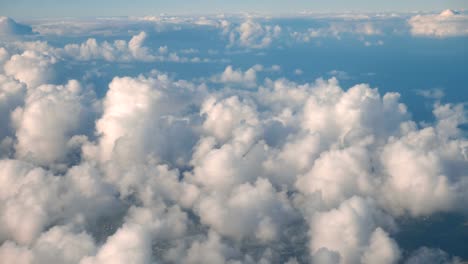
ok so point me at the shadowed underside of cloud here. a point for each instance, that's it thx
(228, 168)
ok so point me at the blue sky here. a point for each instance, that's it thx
(60, 8)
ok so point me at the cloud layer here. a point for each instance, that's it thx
(448, 23)
(241, 166)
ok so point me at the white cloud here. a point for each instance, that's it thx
(428, 150)
(228, 118)
(252, 34)
(237, 76)
(433, 255)
(130, 244)
(11, 96)
(212, 250)
(249, 211)
(341, 75)
(33, 199)
(350, 227)
(446, 24)
(381, 249)
(338, 175)
(10, 28)
(161, 169)
(81, 26)
(31, 67)
(52, 115)
(339, 28)
(139, 113)
(120, 50)
(57, 245)
(123, 51)
(431, 93)
(4, 56)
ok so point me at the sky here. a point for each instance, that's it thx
(86, 8)
(131, 136)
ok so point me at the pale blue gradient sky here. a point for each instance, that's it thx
(86, 8)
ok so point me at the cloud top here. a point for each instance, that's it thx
(448, 23)
(9, 27)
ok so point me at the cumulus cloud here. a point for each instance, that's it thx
(160, 169)
(448, 23)
(381, 249)
(350, 227)
(338, 166)
(435, 93)
(239, 77)
(12, 95)
(138, 114)
(31, 67)
(123, 51)
(120, 50)
(10, 28)
(338, 28)
(252, 34)
(52, 115)
(434, 255)
(254, 211)
(429, 149)
(34, 199)
(57, 245)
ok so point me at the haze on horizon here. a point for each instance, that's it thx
(89, 8)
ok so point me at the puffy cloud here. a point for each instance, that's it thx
(10, 252)
(425, 155)
(4, 56)
(26, 197)
(162, 19)
(139, 113)
(11, 96)
(212, 250)
(448, 23)
(52, 115)
(381, 249)
(338, 175)
(81, 26)
(227, 166)
(237, 76)
(353, 115)
(57, 245)
(325, 256)
(120, 50)
(168, 170)
(351, 227)
(252, 34)
(435, 93)
(228, 118)
(254, 211)
(172, 171)
(298, 72)
(33, 199)
(10, 28)
(338, 28)
(433, 255)
(31, 67)
(130, 244)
